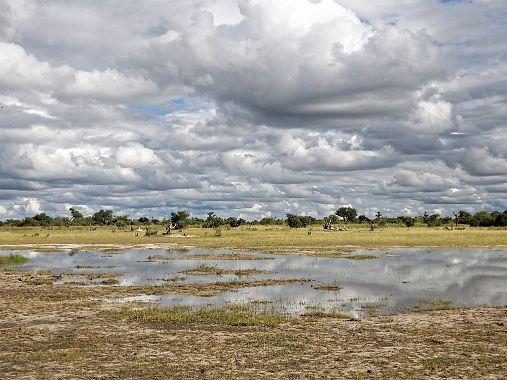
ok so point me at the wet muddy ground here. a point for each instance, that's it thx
(52, 331)
(359, 284)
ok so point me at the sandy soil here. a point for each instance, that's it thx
(65, 331)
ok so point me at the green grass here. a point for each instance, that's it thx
(206, 270)
(335, 287)
(248, 272)
(438, 304)
(315, 314)
(211, 256)
(231, 315)
(93, 276)
(370, 309)
(442, 304)
(13, 259)
(442, 361)
(110, 281)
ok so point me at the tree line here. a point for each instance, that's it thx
(181, 219)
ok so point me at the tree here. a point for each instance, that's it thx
(293, 221)
(501, 220)
(121, 221)
(267, 221)
(330, 220)
(348, 214)
(296, 221)
(43, 219)
(102, 217)
(456, 219)
(464, 217)
(433, 220)
(377, 222)
(235, 222)
(409, 221)
(215, 222)
(483, 219)
(179, 219)
(76, 215)
(212, 221)
(363, 219)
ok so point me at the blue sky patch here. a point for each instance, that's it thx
(173, 105)
(179, 103)
(150, 110)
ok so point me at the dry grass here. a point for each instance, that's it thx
(276, 239)
(285, 240)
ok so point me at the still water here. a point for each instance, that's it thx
(402, 279)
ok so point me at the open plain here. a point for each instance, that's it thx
(55, 330)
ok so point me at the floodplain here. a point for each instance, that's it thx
(265, 302)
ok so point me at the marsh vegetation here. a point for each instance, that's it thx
(231, 315)
(206, 270)
(12, 259)
(387, 281)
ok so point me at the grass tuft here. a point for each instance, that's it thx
(439, 304)
(231, 315)
(329, 288)
(318, 312)
(206, 270)
(110, 281)
(13, 259)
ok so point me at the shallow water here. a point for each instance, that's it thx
(405, 279)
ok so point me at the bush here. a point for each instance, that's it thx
(150, 232)
(409, 222)
(295, 221)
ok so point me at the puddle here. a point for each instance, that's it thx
(403, 279)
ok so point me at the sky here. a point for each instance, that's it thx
(252, 108)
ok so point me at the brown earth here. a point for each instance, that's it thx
(52, 331)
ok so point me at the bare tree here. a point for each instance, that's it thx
(456, 218)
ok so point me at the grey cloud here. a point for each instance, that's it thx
(335, 67)
(150, 106)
